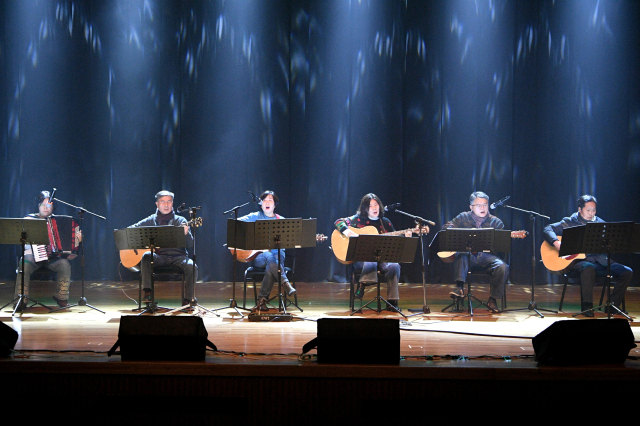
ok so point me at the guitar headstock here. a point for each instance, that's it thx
(519, 234)
(195, 222)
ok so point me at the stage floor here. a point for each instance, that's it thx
(443, 335)
(447, 360)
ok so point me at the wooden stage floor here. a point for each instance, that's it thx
(443, 348)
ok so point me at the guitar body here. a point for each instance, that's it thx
(340, 243)
(551, 259)
(248, 255)
(131, 258)
(450, 256)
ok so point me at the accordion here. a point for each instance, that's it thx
(64, 239)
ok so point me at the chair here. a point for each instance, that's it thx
(566, 280)
(160, 274)
(254, 274)
(356, 273)
(476, 276)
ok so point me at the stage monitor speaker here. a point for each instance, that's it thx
(162, 338)
(8, 339)
(357, 341)
(603, 341)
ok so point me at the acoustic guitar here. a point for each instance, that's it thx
(130, 258)
(248, 255)
(449, 256)
(553, 261)
(340, 242)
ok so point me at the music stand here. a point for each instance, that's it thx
(150, 238)
(23, 231)
(601, 238)
(472, 240)
(381, 248)
(273, 234)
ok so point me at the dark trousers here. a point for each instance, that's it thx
(183, 262)
(481, 262)
(588, 272)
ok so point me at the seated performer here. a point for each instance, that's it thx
(175, 257)
(371, 213)
(58, 263)
(594, 264)
(268, 259)
(479, 217)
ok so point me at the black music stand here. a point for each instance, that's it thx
(150, 238)
(23, 231)
(274, 234)
(602, 238)
(471, 240)
(381, 248)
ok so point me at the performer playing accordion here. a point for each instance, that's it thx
(64, 238)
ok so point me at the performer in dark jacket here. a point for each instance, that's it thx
(371, 213)
(59, 264)
(594, 264)
(479, 217)
(176, 257)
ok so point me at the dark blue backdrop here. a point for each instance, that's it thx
(321, 101)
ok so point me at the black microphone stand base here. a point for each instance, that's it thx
(425, 310)
(533, 306)
(81, 302)
(232, 305)
(608, 307)
(195, 308)
(26, 299)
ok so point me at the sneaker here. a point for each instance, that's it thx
(288, 288)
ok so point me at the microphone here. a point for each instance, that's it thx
(499, 203)
(253, 196)
(53, 194)
(391, 207)
(182, 208)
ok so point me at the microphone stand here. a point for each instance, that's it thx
(420, 222)
(533, 306)
(232, 303)
(81, 212)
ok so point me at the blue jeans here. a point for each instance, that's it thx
(269, 261)
(483, 262)
(588, 272)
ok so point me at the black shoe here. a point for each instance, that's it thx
(458, 292)
(261, 306)
(492, 306)
(586, 307)
(288, 288)
(61, 303)
(393, 303)
(186, 302)
(359, 292)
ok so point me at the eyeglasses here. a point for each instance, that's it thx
(479, 205)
